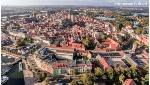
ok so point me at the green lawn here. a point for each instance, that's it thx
(27, 41)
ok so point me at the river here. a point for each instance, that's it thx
(105, 18)
(22, 15)
(15, 77)
(135, 14)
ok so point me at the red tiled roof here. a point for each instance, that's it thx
(129, 82)
(113, 45)
(104, 62)
(146, 55)
(57, 65)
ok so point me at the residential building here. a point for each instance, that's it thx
(129, 82)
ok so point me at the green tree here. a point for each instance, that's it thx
(134, 72)
(137, 81)
(87, 71)
(110, 73)
(146, 69)
(120, 41)
(86, 80)
(98, 72)
(86, 42)
(75, 71)
(128, 72)
(47, 80)
(104, 37)
(138, 31)
(143, 81)
(119, 26)
(43, 75)
(143, 31)
(21, 43)
(74, 82)
(121, 78)
(117, 73)
(147, 78)
(35, 69)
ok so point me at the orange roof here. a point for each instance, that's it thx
(129, 82)
(113, 45)
(146, 55)
(57, 65)
(104, 62)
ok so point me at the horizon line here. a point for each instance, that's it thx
(83, 5)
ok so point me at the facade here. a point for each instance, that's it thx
(63, 67)
(103, 63)
(60, 67)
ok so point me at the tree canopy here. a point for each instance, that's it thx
(87, 79)
(104, 37)
(110, 73)
(74, 82)
(75, 71)
(140, 31)
(98, 72)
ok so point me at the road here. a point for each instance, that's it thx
(11, 54)
(28, 75)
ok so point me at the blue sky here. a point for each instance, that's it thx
(65, 2)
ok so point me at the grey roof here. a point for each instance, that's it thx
(72, 63)
(98, 56)
(80, 62)
(55, 42)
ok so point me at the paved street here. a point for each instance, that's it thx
(11, 54)
(28, 75)
(32, 81)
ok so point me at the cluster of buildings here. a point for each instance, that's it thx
(61, 33)
(143, 38)
(45, 61)
(65, 57)
(54, 30)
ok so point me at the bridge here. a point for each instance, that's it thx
(11, 64)
(11, 54)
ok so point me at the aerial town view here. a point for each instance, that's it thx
(74, 42)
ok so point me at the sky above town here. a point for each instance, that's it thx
(66, 2)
